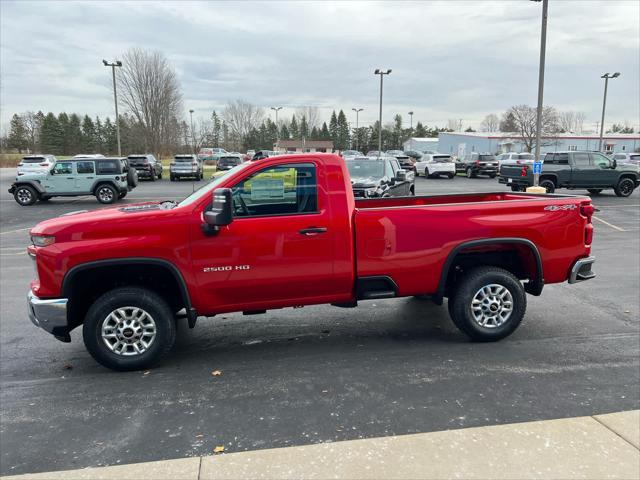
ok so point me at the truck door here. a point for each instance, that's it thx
(582, 170)
(279, 247)
(61, 179)
(603, 174)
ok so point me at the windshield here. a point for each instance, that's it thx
(33, 159)
(137, 160)
(209, 187)
(365, 168)
(229, 161)
(441, 158)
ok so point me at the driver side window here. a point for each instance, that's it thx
(600, 160)
(63, 168)
(281, 190)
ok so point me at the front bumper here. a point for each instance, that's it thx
(49, 314)
(581, 270)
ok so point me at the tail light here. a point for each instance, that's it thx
(523, 172)
(21, 164)
(477, 162)
(587, 210)
(195, 164)
(44, 164)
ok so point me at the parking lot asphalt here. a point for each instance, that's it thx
(318, 374)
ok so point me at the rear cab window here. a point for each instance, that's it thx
(84, 167)
(109, 167)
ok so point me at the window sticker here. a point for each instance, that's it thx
(267, 189)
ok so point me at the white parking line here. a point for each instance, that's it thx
(609, 224)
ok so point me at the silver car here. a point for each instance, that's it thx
(36, 164)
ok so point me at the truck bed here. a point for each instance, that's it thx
(409, 239)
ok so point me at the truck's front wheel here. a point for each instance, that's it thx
(488, 304)
(129, 328)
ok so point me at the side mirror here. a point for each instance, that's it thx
(401, 175)
(614, 164)
(221, 213)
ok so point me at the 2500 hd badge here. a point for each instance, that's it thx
(226, 268)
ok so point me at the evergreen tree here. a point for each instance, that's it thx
(343, 131)
(63, 125)
(38, 130)
(88, 136)
(324, 132)
(99, 141)
(420, 131)
(304, 128)
(284, 132)
(110, 137)
(17, 134)
(293, 128)
(396, 134)
(51, 140)
(73, 134)
(333, 128)
(216, 130)
(314, 134)
(469, 130)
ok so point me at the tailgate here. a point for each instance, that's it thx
(513, 171)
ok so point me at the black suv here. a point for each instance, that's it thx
(379, 177)
(406, 162)
(474, 164)
(146, 165)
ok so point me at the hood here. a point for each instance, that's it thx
(364, 182)
(76, 224)
(35, 175)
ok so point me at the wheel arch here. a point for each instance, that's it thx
(536, 280)
(157, 274)
(37, 186)
(99, 182)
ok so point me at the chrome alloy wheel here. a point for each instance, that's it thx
(105, 194)
(128, 331)
(492, 306)
(24, 195)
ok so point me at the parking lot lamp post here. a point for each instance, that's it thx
(543, 48)
(411, 117)
(382, 73)
(277, 109)
(357, 110)
(606, 77)
(113, 66)
(193, 138)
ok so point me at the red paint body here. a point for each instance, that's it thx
(407, 239)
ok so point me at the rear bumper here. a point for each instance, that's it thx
(514, 181)
(581, 270)
(144, 173)
(49, 314)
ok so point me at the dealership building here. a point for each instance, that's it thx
(459, 143)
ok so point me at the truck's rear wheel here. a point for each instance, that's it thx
(548, 185)
(488, 304)
(129, 328)
(106, 194)
(470, 173)
(625, 187)
(594, 191)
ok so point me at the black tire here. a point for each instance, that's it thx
(492, 175)
(153, 176)
(594, 191)
(548, 185)
(172, 178)
(132, 177)
(120, 298)
(412, 191)
(470, 173)
(106, 194)
(469, 288)
(160, 176)
(625, 187)
(25, 195)
(121, 195)
(426, 173)
(44, 199)
(451, 176)
(516, 188)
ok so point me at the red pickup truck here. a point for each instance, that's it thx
(286, 231)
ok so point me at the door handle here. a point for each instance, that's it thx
(89, 178)
(70, 178)
(309, 231)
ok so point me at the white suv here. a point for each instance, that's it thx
(436, 164)
(621, 157)
(36, 164)
(513, 158)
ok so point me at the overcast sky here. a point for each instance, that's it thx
(449, 59)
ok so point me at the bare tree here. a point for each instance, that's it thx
(240, 117)
(566, 121)
(312, 114)
(453, 125)
(579, 122)
(149, 88)
(32, 125)
(491, 123)
(524, 118)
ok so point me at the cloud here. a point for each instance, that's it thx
(449, 59)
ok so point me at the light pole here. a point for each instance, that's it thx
(606, 77)
(357, 110)
(411, 117)
(382, 73)
(113, 66)
(543, 49)
(193, 138)
(277, 109)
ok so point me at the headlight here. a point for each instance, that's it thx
(43, 240)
